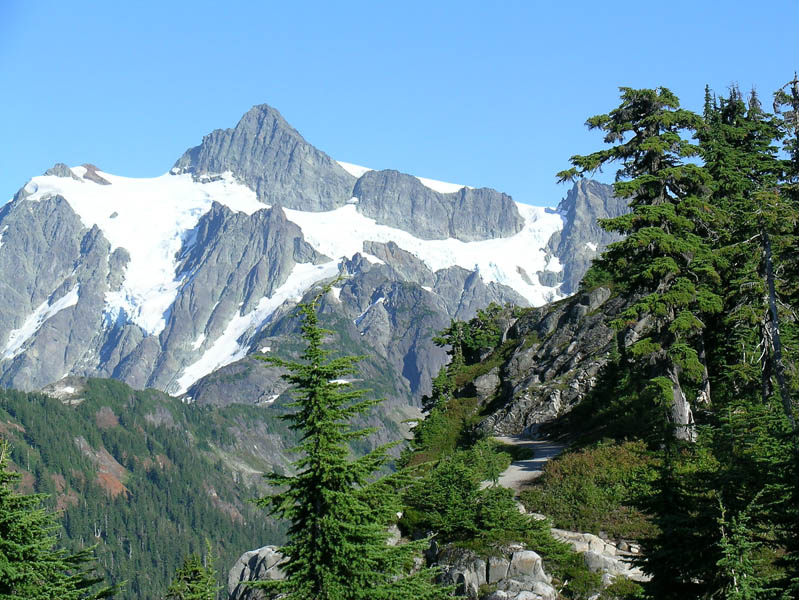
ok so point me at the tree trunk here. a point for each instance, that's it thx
(779, 365)
(703, 397)
(682, 417)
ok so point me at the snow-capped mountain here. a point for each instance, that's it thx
(175, 281)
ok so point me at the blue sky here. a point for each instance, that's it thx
(481, 93)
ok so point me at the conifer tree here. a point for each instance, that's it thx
(338, 512)
(195, 579)
(665, 262)
(31, 566)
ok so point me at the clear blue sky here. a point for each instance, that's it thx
(481, 93)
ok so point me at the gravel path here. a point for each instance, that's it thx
(521, 472)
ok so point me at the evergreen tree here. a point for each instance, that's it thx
(31, 567)
(195, 579)
(338, 512)
(664, 264)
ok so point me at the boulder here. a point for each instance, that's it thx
(261, 564)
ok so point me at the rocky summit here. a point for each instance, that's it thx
(176, 282)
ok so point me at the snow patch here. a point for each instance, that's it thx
(265, 349)
(361, 317)
(269, 400)
(496, 259)
(354, 170)
(46, 309)
(198, 342)
(336, 291)
(371, 258)
(591, 246)
(230, 346)
(149, 218)
(427, 288)
(2, 233)
(440, 186)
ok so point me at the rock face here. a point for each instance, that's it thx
(261, 564)
(379, 310)
(268, 155)
(561, 349)
(50, 316)
(235, 267)
(582, 239)
(402, 201)
(517, 575)
(603, 557)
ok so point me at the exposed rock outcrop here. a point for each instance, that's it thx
(402, 201)
(261, 564)
(601, 556)
(582, 239)
(561, 350)
(267, 154)
(518, 574)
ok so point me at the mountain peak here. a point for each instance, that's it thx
(268, 155)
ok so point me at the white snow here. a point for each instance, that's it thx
(438, 186)
(336, 291)
(270, 400)
(361, 317)
(354, 170)
(68, 389)
(198, 342)
(35, 320)
(427, 288)
(553, 264)
(152, 218)
(496, 259)
(229, 347)
(155, 217)
(2, 233)
(591, 246)
(265, 349)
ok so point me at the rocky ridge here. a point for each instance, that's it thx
(557, 355)
(236, 263)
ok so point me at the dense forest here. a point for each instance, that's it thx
(687, 442)
(138, 474)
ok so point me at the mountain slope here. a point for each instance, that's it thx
(142, 475)
(162, 282)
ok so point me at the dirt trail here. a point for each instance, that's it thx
(521, 472)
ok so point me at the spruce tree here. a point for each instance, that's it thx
(664, 263)
(338, 511)
(31, 566)
(195, 579)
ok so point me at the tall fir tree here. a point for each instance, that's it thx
(664, 263)
(31, 566)
(338, 511)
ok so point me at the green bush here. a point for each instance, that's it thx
(595, 489)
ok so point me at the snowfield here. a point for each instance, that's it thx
(153, 218)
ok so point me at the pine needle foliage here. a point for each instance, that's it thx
(31, 566)
(664, 263)
(338, 511)
(195, 579)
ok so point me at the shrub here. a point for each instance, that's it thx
(595, 489)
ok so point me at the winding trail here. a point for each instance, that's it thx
(522, 472)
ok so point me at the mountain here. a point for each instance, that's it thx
(176, 282)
